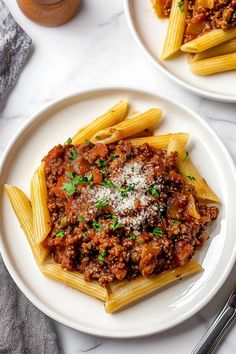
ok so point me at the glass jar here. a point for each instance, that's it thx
(49, 12)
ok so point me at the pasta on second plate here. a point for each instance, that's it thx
(117, 219)
(204, 28)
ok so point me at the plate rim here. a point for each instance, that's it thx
(187, 86)
(40, 304)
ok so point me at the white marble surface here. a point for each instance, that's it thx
(96, 48)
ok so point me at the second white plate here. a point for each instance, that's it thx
(150, 33)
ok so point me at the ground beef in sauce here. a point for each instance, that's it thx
(204, 15)
(119, 211)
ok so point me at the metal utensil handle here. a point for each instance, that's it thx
(215, 333)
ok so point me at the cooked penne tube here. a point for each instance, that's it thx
(124, 293)
(215, 65)
(74, 279)
(23, 210)
(38, 194)
(176, 27)
(221, 49)
(209, 40)
(128, 127)
(160, 141)
(190, 173)
(113, 116)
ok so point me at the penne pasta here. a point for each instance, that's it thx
(113, 116)
(209, 40)
(128, 127)
(221, 49)
(74, 279)
(214, 65)
(38, 194)
(176, 27)
(160, 141)
(23, 210)
(125, 293)
(190, 173)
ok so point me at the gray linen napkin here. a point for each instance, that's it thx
(14, 49)
(23, 328)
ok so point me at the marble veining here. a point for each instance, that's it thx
(96, 48)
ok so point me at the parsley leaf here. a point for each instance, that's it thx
(114, 156)
(101, 203)
(68, 141)
(97, 227)
(101, 163)
(90, 178)
(60, 234)
(73, 155)
(176, 222)
(85, 235)
(108, 183)
(157, 232)
(132, 237)
(186, 156)
(116, 224)
(153, 191)
(86, 141)
(192, 178)
(97, 137)
(140, 240)
(70, 174)
(69, 187)
(104, 170)
(180, 5)
(102, 256)
(81, 218)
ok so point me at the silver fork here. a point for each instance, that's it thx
(210, 341)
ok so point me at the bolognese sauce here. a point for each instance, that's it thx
(202, 15)
(119, 211)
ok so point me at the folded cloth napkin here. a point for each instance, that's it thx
(14, 49)
(23, 328)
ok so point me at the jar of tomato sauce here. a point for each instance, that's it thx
(49, 12)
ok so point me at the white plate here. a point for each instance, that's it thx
(169, 307)
(150, 31)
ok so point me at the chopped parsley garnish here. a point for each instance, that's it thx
(101, 163)
(114, 156)
(60, 234)
(97, 227)
(154, 191)
(68, 141)
(116, 224)
(186, 156)
(176, 222)
(85, 235)
(157, 232)
(98, 137)
(101, 203)
(125, 190)
(69, 187)
(102, 256)
(140, 240)
(192, 178)
(132, 237)
(180, 5)
(108, 183)
(86, 141)
(73, 155)
(81, 218)
(70, 174)
(90, 178)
